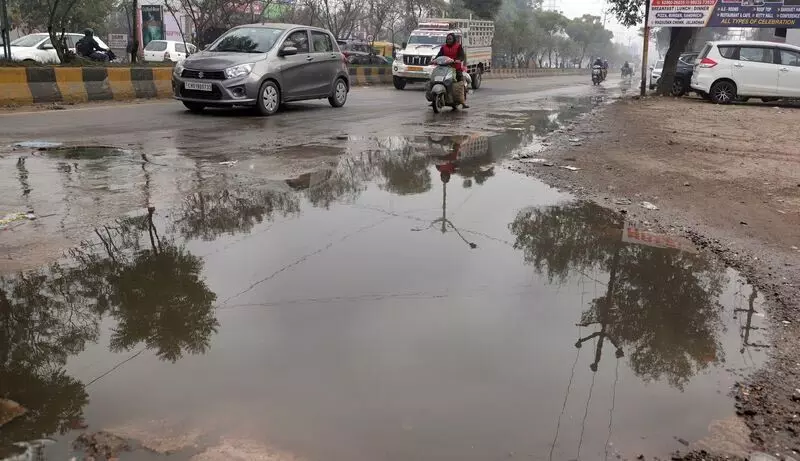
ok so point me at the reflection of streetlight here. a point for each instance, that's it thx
(445, 171)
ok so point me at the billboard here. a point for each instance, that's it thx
(152, 23)
(724, 13)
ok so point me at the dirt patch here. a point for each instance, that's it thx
(243, 450)
(728, 178)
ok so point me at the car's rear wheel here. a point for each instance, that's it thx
(399, 83)
(438, 103)
(194, 107)
(269, 98)
(339, 96)
(723, 92)
(678, 87)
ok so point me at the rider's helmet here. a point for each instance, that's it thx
(88, 32)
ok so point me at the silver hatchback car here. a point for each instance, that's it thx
(264, 65)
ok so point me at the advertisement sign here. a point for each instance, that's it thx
(725, 13)
(152, 23)
(118, 41)
(633, 234)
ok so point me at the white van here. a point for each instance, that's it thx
(727, 71)
(39, 48)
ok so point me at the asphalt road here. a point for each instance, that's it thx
(374, 111)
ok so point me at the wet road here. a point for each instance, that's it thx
(406, 297)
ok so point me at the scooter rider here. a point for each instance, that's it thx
(88, 47)
(453, 50)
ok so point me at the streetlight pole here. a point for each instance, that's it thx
(6, 30)
(643, 88)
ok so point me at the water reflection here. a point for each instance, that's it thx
(147, 283)
(660, 305)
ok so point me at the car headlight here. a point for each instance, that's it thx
(238, 71)
(178, 69)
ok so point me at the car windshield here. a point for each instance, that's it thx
(156, 45)
(28, 40)
(247, 40)
(427, 39)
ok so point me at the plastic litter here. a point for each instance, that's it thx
(534, 160)
(229, 163)
(622, 201)
(38, 144)
(570, 168)
(648, 206)
(14, 217)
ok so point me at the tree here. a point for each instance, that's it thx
(484, 9)
(61, 16)
(631, 13)
(552, 23)
(587, 31)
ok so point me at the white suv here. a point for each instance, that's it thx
(738, 70)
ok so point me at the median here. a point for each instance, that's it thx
(28, 85)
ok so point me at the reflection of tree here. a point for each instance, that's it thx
(406, 173)
(208, 216)
(236, 43)
(662, 304)
(41, 325)
(151, 286)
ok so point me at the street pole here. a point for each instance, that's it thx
(6, 30)
(643, 88)
(136, 28)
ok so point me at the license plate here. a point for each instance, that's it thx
(198, 86)
(415, 68)
(438, 79)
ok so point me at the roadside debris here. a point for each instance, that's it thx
(9, 411)
(622, 201)
(229, 162)
(103, 444)
(38, 144)
(648, 206)
(13, 217)
(570, 168)
(534, 160)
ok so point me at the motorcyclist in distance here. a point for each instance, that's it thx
(88, 47)
(453, 50)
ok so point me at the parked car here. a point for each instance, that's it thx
(683, 74)
(39, 48)
(366, 59)
(167, 50)
(728, 71)
(264, 65)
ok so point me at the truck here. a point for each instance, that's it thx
(413, 63)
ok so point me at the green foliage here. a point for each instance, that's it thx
(485, 9)
(72, 15)
(628, 12)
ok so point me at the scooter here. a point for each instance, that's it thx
(443, 90)
(597, 75)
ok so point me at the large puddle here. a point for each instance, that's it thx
(413, 301)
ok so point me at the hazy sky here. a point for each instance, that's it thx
(577, 8)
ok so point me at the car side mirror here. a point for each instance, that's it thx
(288, 51)
(404, 45)
(48, 46)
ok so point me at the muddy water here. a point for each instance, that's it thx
(414, 300)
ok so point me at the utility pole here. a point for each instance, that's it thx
(6, 30)
(136, 28)
(643, 88)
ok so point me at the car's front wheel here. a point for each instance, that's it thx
(269, 98)
(194, 107)
(723, 92)
(339, 96)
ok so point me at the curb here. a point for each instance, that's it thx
(37, 85)
(22, 86)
